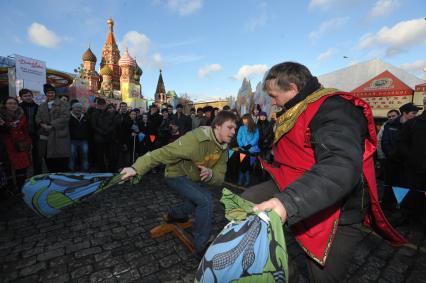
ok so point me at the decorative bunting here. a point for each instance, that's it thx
(152, 138)
(400, 193)
(242, 156)
(230, 153)
(141, 136)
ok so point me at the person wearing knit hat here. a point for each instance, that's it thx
(263, 113)
(394, 175)
(79, 138)
(409, 108)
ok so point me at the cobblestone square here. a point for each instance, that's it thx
(106, 239)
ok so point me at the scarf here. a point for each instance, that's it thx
(8, 116)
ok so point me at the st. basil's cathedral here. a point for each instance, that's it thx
(119, 76)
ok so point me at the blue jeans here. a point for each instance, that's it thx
(198, 202)
(84, 150)
(244, 178)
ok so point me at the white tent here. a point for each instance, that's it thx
(351, 77)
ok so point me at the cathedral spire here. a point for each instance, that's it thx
(111, 55)
(110, 23)
(160, 93)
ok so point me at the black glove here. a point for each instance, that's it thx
(247, 147)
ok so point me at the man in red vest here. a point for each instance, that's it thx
(323, 183)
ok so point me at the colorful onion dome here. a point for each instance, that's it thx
(106, 71)
(126, 60)
(89, 56)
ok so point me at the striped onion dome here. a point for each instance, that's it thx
(126, 60)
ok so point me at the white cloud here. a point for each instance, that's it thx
(322, 4)
(184, 7)
(326, 55)
(248, 70)
(331, 4)
(327, 27)
(206, 70)
(415, 68)
(137, 43)
(383, 8)
(157, 61)
(261, 19)
(40, 35)
(398, 38)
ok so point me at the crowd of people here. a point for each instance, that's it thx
(323, 169)
(61, 135)
(402, 160)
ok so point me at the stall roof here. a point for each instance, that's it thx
(351, 77)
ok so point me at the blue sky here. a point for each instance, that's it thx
(205, 48)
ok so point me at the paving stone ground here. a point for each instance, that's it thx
(106, 239)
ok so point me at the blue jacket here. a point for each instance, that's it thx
(244, 137)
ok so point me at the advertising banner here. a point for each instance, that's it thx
(31, 72)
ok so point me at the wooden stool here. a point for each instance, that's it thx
(177, 229)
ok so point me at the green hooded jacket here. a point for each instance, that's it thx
(182, 157)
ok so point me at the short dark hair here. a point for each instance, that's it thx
(123, 103)
(286, 73)
(164, 110)
(8, 98)
(208, 108)
(222, 117)
(226, 107)
(100, 101)
(24, 91)
(199, 109)
(179, 106)
(192, 109)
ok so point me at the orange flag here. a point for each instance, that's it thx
(242, 156)
(152, 138)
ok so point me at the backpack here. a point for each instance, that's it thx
(251, 248)
(48, 194)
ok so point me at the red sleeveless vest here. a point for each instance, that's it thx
(294, 156)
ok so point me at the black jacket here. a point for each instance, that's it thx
(79, 128)
(266, 134)
(390, 136)
(183, 122)
(338, 131)
(103, 126)
(123, 125)
(412, 150)
(30, 110)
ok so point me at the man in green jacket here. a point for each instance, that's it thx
(193, 161)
